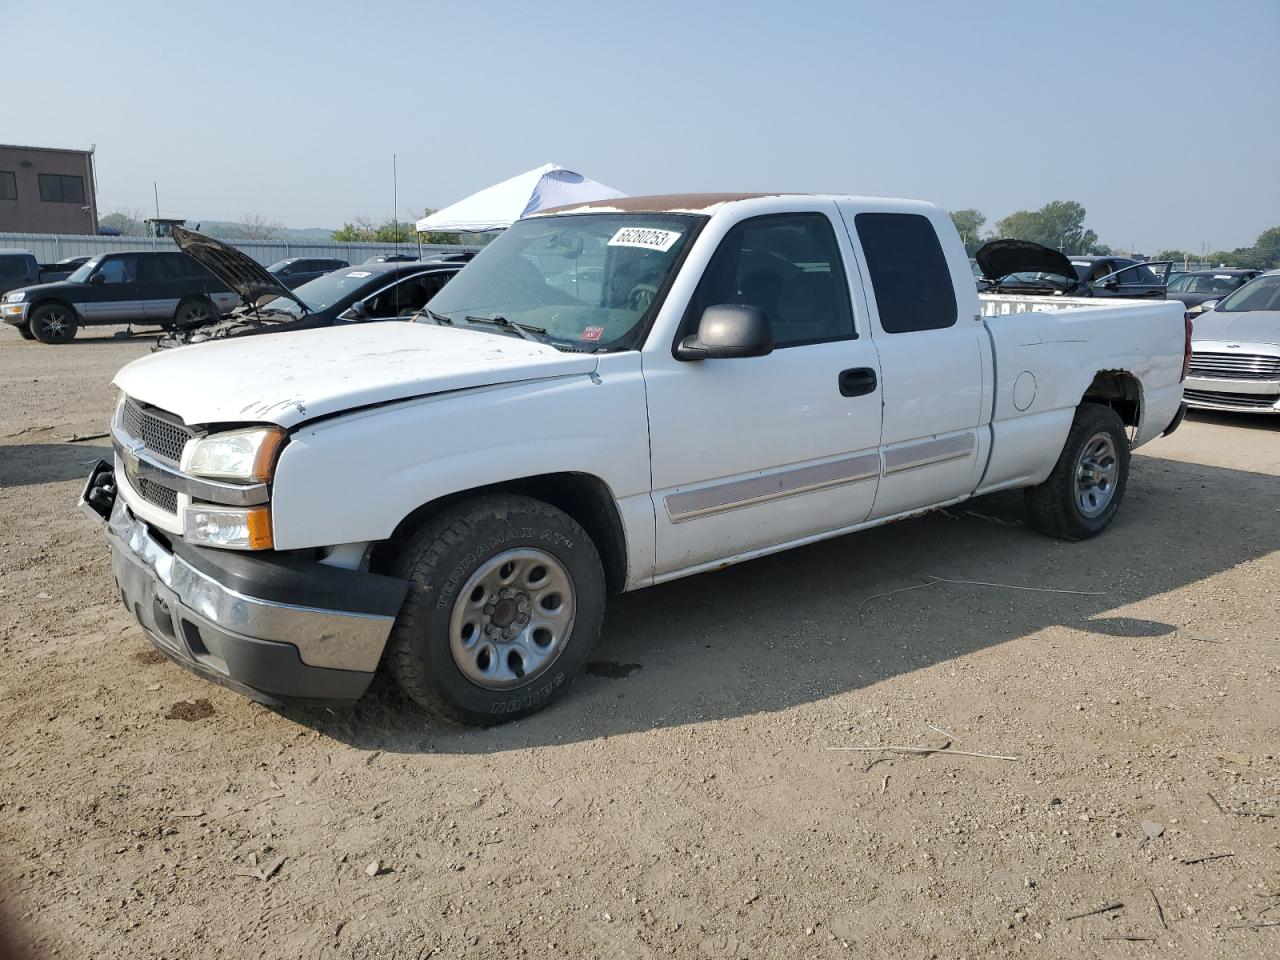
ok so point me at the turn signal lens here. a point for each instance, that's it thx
(228, 527)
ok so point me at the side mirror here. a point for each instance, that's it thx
(729, 330)
(356, 312)
(98, 278)
(1111, 283)
(1208, 305)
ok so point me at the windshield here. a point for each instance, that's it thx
(81, 273)
(1260, 294)
(280, 265)
(1036, 278)
(584, 281)
(1219, 285)
(324, 292)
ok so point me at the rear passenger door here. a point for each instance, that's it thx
(161, 278)
(934, 362)
(114, 298)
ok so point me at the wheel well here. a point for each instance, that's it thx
(54, 302)
(586, 498)
(1119, 390)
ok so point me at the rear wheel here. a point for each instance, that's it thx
(506, 598)
(24, 331)
(53, 323)
(194, 313)
(1082, 494)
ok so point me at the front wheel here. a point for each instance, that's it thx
(53, 323)
(1082, 494)
(506, 599)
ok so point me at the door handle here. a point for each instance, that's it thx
(857, 382)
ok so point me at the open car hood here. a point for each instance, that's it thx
(999, 258)
(248, 278)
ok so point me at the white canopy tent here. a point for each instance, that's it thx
(499, 206)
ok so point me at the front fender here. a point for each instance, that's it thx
(354, 477)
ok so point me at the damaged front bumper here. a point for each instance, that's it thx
(275, 628)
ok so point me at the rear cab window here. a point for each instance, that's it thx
(909, 274)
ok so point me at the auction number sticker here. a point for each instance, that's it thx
(359, 274)
(646, 238)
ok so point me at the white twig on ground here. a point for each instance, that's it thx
(949, 736)
(894, 749)
(977, 583)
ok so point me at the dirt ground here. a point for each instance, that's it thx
(683, 800)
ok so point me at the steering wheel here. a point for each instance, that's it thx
(641, 296)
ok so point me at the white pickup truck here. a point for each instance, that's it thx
(607, 397)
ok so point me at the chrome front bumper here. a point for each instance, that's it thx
(199, 607)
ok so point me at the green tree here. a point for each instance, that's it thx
(1267, 247)
(1059, 225)
(128, 222)
(1172, 255)
(969, 225)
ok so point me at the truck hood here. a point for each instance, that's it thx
(999, 258)
(1252, 326)
(289, 378)
(248, 278)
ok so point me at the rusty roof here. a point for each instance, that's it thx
(660, 203)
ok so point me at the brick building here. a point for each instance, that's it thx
(45, 190)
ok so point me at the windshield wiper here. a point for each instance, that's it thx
(435, 318)
(525, 330)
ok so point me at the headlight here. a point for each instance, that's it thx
(246, 455)
(231, 528)
(17, 296)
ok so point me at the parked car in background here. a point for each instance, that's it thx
(1021, 266)
(1200, 289)
(19, 268)
(453, 498)
(1235, 351)
(161, 288)
(393, 258)
(295, 271)
(369, 291)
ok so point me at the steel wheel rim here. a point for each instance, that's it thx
(1097, 470)
(512, 619)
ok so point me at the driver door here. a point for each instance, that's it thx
(750, 453)
(114, 298)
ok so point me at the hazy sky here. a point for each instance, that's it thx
(1162, 119)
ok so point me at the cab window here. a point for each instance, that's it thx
(789, 266)
(909, 273)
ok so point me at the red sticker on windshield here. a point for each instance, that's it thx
(593, 333)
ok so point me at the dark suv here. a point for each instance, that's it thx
(166, 289)
(296, 271)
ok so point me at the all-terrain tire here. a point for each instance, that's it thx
(1096, 447)
(440, 559)
(54, 323)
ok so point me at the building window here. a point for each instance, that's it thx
(8, 185)
(59, 188)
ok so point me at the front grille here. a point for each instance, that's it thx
(161, 434)
(1235, 366)
(156, 494)
(1257, 400)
